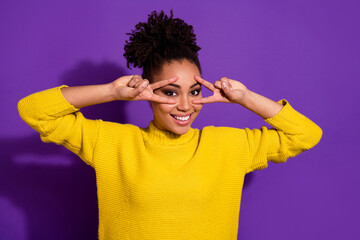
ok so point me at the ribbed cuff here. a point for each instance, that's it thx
(53, 103)
(287, 118)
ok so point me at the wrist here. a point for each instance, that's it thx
(246, 99)
(112, 91)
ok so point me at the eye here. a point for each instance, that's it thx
(195, 92)
(169, 93)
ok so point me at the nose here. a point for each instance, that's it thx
(184, 104)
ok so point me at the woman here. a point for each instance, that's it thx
(168, 181)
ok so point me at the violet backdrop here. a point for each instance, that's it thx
(304, 51)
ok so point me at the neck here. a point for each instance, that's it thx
(155, 135)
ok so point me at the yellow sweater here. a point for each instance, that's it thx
(156, 185)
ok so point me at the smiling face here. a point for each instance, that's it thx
(177, 118)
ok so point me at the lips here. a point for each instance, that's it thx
(182, 119)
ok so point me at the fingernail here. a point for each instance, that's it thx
(144, 83)
(223, 84)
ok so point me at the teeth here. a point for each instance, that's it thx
(182, 118)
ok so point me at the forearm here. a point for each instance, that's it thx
(82, 96)
(264, 107)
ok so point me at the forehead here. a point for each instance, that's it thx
(184, 70)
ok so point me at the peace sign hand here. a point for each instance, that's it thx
(226, 90)
(134, 88)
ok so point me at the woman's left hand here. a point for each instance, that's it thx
(225, 90)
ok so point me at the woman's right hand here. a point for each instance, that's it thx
(134, 88)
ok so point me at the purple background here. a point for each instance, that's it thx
(304, 51)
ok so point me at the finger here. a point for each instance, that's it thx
(134, 80)
(226, 81)
(210, 99)
(139, 89)
(207, 84)
(158, 99)
(230, 86)
(227, 89)
(162, 83)
(217, 84)
(140, 82)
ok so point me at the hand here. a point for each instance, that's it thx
(134, 88)
(225, 90)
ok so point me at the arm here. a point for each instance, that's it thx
(57, 121)
(262, 106)
(228, 90)
(292, 134)
(54, 112)
(130, 88)
(83, 96)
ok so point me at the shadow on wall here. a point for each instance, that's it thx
(89, 73)
(53, 189)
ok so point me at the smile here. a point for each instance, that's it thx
(182, 119)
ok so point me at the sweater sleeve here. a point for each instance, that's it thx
(292, 134)
(59, 122)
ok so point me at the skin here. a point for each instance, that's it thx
(183, 91)
(174, 92)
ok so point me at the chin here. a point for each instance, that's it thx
(181, 131)
(176, 126)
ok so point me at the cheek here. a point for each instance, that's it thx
(198, 107)
(162, 108)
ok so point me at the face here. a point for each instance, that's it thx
(177, 118)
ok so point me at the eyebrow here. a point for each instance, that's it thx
(178, 86)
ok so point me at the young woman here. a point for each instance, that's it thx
(168, 181)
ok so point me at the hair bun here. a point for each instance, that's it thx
(157, 37)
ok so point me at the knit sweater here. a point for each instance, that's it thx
(157, 185)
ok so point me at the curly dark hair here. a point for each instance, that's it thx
(161, 39)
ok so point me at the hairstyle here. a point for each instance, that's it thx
(161, 39)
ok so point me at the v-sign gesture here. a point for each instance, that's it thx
(225, 90)
(134, 88)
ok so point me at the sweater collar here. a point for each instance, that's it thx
(154, 135)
